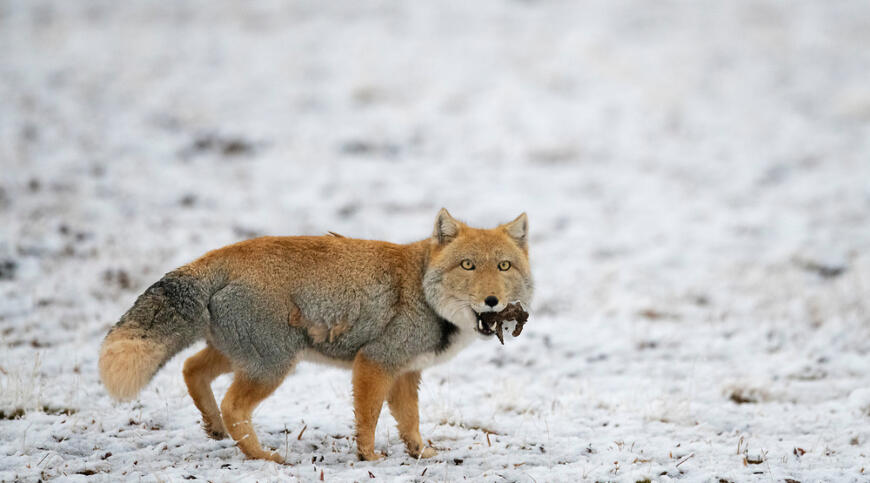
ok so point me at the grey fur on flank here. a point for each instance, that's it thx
(254, 331)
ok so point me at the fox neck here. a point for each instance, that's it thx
(453, 340)
(451, 309)
(448, 334)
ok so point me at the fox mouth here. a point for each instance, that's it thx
(484, 328)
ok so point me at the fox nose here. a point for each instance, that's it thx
(492, 301)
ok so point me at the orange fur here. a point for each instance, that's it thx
(486, 247)
(127, 363)
(296, 318)
(371, 384)
(262, 263)
(242, 397)
(199, 372)
(402, 400)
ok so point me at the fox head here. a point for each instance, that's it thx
(472, 270)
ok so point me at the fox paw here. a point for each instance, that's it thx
(427, 452)
(274, 456)
(371, 456)
(266, 455)
(213, 432)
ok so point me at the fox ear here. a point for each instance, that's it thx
(518, 230)
(446, 227)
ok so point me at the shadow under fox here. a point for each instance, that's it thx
(385, 310)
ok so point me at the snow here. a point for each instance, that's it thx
(696, 175)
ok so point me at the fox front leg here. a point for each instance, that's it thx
(403, 404)
(371, 384)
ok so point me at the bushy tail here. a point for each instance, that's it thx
(169, 316)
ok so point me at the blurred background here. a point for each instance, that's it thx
(696, 174)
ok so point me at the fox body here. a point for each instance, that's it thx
(384, 310)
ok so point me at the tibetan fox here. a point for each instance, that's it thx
(384, 310)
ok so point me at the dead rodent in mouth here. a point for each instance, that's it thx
(512, 311)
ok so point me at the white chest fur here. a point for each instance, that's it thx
(458, 340)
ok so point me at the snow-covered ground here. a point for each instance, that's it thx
(696, 174)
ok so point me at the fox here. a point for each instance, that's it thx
(385, 311)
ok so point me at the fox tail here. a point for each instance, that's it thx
(171, 315)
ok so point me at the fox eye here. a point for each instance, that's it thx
(467, 264)
(504, 265)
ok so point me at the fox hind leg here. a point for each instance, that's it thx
(403, 405)
(199, 372)
(242, 397)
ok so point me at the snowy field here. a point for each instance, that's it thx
(697, 179)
